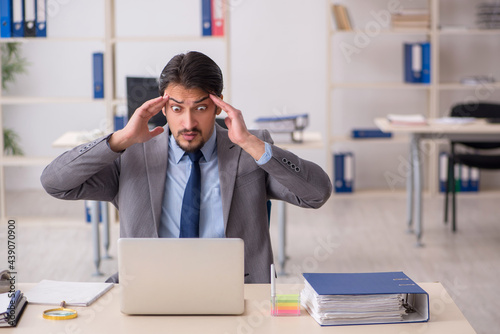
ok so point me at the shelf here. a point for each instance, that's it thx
(311, 140)
(25, 161)
(469, 32)
(348, 139)
(459, 86)
(379, 85)
(384, 32)
(52, 39)
(47, 100)
(149, 39)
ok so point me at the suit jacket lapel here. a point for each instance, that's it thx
(228, 155)
(156, 158)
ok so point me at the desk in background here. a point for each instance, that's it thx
(68, 141)
(104, 316)
(310, 140)
(479, 131)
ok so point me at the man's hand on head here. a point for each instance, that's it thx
(137, 130)
(237, 130)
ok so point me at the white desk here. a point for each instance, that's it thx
(104, 316)
(477, 131)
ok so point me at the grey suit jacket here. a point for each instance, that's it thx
(134, 182)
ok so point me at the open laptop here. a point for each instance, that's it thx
(181, 276)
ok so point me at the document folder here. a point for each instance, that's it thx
(364, 298)
(29, 18)
(98, 67)
(41, 18)
(6, 18)
(17, 18)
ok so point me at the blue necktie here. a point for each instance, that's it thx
(190, 212)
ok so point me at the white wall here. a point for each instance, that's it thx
(277, 54)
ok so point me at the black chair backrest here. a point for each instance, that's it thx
(478, 110)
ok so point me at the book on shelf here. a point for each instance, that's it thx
(343, 172)
(23, 18)
(218, 7)
(363, 298)
(417, 62)
(341, 17)
(488, 15)
(411, 19)
(292, 125)
(370, 133)
(206, 17)
(477, 80)
(410, 119)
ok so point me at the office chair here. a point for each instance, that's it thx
(475, 159)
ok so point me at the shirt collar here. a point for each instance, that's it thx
(207, 150)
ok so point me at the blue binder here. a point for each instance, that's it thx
(412, 64)
(417, 62)
(6, 18)
(17, 18)
(41, 18)
(426, 62)
(343, 165)
(378, 283)
(370, 133)
(206, 17)
(474, 179)
(443, 171)
(98, 65)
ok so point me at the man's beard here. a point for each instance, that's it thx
(190, 146)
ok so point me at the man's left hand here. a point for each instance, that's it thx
(237, 130)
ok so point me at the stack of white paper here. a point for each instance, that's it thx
(414, 119)
(352, 309)
(73, 293)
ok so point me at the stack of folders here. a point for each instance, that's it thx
(488, 15)
(411, 19)
(363, 298)
(407, 120)
(23, 18)
(12, 305)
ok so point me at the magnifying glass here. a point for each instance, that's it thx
(61, 313)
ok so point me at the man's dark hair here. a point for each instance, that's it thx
(192, 70)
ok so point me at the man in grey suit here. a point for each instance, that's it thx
(144, 172)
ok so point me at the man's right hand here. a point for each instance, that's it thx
(137, 130)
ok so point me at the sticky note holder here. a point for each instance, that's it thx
(285, 305)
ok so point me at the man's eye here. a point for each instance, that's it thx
(201, 108)
(176, 108)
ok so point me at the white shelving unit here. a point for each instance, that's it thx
(110, 41)
(431, 99)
